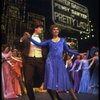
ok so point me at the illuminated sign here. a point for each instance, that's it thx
(71, 15)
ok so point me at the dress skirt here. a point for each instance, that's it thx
(56, 76)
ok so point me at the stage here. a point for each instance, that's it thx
(64, 96)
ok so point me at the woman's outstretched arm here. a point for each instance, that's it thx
(42, 44)
(69, 50)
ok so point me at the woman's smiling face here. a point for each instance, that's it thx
(55, 31)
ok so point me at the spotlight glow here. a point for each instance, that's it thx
(91, 29)
(91, 25)
(92, 35)
(81, 38)
(85, 37)
(88, 36)
(80, 32)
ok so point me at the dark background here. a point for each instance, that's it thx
(43, 7)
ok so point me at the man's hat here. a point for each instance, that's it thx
(37, 23)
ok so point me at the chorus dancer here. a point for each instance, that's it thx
(77, 74)
(6, 53)
(16, 63)
(56, 76)
(94, 82)
(69, 65)
(85, 79)
(69, 62)
(6, 70)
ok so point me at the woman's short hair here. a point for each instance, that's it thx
(54, 26)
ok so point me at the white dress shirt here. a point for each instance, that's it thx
(35, 51)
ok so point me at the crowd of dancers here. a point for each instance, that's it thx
(12, 75)
(83, 72)
(26, 69)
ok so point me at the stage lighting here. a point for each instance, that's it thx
(92, 35)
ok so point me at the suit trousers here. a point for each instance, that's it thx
(33, 69)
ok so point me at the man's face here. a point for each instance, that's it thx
(55, 31)
(39, 30)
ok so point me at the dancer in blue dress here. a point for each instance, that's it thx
(56, 76)
(85, 79)
(94, 82)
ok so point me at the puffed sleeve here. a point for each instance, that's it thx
(69, 50)
(42, 44)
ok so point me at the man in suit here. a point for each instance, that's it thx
(33, 62)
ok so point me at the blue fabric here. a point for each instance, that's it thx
(56, 76)
(77, 76)
(85, 79)
(93, 50)
(94, 82)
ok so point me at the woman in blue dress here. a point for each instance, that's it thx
(94, 82)
(56, 76)
(85, 79)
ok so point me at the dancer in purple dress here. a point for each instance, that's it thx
(77, 74)
(69, 65)
(56, 76)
